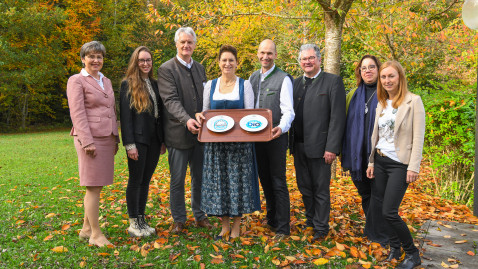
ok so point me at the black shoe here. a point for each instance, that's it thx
(270, 227)
(410, 261)
(318, 236)
(395, 253)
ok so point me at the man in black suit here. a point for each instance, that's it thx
(316, 135)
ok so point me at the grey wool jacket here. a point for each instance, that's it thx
(181, 90)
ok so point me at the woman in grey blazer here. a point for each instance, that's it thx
(397, 143)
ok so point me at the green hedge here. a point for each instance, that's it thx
(450, 141)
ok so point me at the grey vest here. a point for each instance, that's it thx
(269, 94)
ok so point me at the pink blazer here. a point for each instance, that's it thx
(92, 109)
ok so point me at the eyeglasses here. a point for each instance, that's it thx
(308, 59)
(145, 61)
(370, 67)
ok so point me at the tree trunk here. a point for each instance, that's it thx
(24, 111)
(333, 43)
(334, 18)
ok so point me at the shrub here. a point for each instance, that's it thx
(450, 142)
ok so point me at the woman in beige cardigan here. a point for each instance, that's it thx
(397, 143)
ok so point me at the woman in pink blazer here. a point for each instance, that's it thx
(397, 144)
(92, 110)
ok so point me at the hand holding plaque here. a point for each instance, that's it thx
(236, 125)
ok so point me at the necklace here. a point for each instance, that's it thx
(227, 84)
(366, 104)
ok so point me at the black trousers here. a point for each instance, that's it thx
(271, 162)
(313, 180)
(374, 221)
(364, 189)
(389, 189)
(140, 173)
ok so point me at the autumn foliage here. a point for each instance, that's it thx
(344, 247)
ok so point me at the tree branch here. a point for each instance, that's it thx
(366, 42)
(325, 4)
(437, 15)
(266, 14)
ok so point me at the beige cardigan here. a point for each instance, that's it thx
(409, 132)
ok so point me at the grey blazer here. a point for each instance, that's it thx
(181, 90)
(324, 114)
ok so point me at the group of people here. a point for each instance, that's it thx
(378, 129)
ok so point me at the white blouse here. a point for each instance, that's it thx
(234, 95)
(386, 131)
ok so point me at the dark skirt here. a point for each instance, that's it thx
(229, 186)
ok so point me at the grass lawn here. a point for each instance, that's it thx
(42, 211)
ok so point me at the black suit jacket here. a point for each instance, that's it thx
(139, 127)
(324, 114)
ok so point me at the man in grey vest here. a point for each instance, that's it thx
(181, 84)
(273, 90)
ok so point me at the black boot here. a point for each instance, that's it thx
(410, 261)
(395, 253)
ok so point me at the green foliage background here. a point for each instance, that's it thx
(450, 142)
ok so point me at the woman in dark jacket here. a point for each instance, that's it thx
(142, 134)
(361, 105)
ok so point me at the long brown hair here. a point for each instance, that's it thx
(382, 94)
(137, 86)
(358, 71)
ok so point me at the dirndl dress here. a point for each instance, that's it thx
(230, 184)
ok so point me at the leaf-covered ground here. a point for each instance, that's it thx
(42, 213)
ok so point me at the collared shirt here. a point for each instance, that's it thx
(153, 96)
(100, 81)
(188, 65)
(286, 100)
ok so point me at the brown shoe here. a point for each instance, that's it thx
(204, 223)
(177, 228)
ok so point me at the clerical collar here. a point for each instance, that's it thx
(316, 75)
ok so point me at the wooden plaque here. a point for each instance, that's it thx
(236, 134)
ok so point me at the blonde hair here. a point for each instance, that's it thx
(137, 86)
(382, 94)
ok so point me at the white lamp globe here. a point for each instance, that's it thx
(470, 14)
